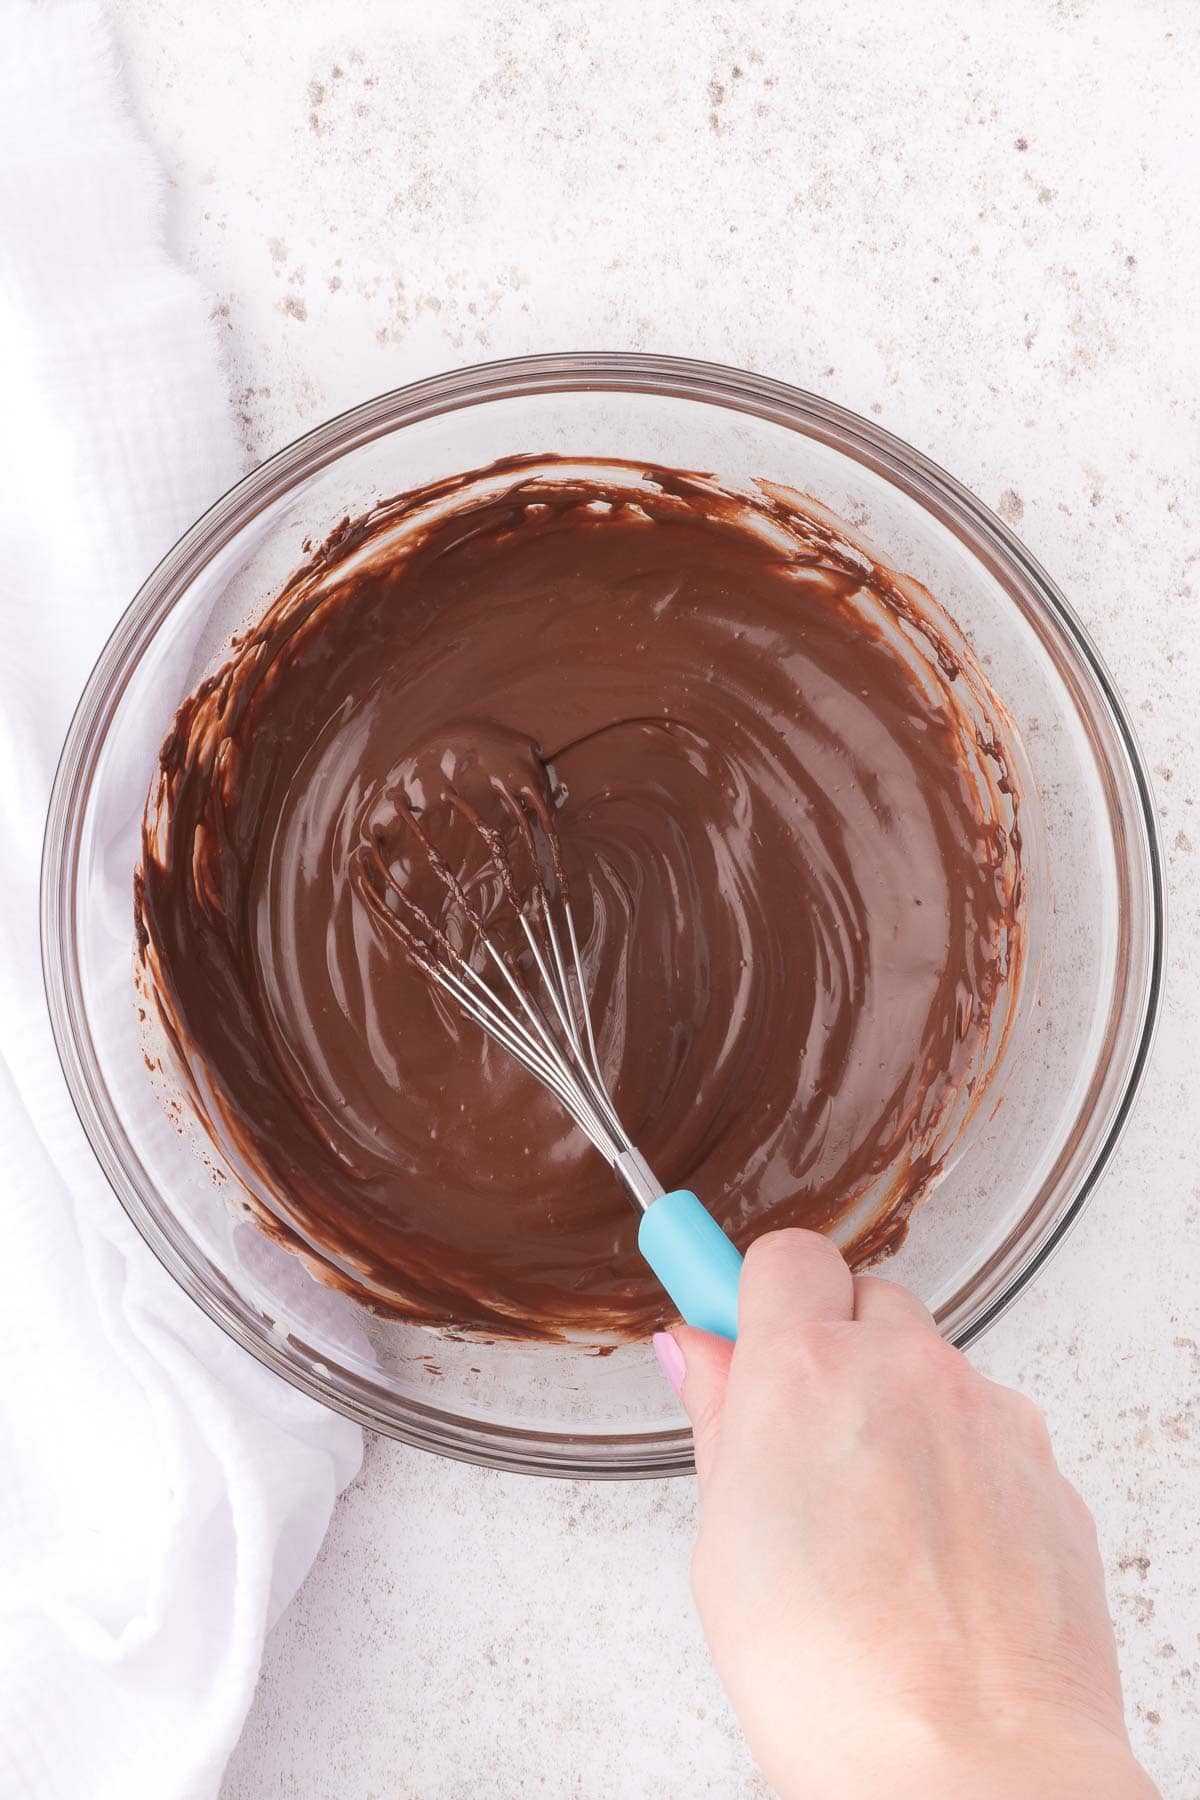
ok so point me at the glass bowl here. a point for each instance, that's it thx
(1086, 1011)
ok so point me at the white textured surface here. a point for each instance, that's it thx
(976, 223)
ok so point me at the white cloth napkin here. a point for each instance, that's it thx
(161, 1495)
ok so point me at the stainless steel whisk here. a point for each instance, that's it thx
(547, 1028)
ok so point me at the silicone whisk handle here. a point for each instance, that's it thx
(694, 1260)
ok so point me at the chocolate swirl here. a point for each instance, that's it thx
(791, 832)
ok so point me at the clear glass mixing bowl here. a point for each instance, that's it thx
(1087, 1013)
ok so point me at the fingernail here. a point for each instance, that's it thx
(670, 1358)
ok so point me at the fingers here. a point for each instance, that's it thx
(880, 1302)
(705, 1371)
(792, 1278)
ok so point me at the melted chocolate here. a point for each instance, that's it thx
(788, 824)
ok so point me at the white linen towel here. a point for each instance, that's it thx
(161, 1495)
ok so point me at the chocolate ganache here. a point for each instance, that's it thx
(788, 818)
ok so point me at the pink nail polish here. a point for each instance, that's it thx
(670, 1358)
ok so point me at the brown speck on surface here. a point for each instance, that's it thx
(1182, 842)
(1011, 507)
(1046, 195)
(1022, 143)
(1140, 1563)
(335, 282)
(278, 249)
(316, 92)
(293, 306)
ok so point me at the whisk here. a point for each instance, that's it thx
(540, 1015)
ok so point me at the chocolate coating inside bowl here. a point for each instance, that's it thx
(788, 817)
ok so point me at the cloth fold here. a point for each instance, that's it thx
(161, 1494)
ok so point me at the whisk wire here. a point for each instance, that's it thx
(489, 1012)
(593, 1053)
(553, 1042)
(560, 996)
(548, 1029)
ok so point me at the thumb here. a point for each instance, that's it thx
(697, 1365)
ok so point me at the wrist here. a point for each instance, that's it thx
(1091, 1767)
(912, 1760)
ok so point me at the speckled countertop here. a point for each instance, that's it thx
(978, 224)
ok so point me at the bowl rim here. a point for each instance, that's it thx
(619, 1456)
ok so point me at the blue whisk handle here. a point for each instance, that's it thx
(694, 1260)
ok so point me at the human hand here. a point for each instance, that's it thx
(901, 1593)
